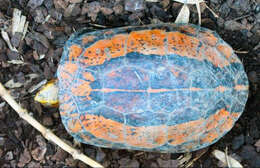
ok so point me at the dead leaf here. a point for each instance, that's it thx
(223, 158)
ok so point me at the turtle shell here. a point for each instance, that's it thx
(167, 87)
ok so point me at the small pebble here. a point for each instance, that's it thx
(167, 163)
(238, 141)
(1, 152)
(34, 3)
(100, 156)
(60, 155)
(60, 4)
(233, 25)
(90, 152)
(252, 76)
(75, 1)
(9, 155)
(34, 164)
(118, 9)
(55, 14)
(48, 4)
(134, 5)
(71, 162)
(25, 158)
(241, 6)
(106, 11)
(115, 155)
(12, 55)
(69, 10)
(47, 121)
(2, 45)
(2, 141)
(126, 162)
(39, 14)
(253, 158)
(224, 10)
(16, 38)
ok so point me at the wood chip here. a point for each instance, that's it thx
(7, 40)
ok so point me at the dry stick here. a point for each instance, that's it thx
(23, 113)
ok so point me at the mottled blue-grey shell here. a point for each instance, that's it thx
(166, 87)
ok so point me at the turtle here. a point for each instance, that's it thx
(163, 88)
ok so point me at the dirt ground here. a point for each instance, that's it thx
(50, 24)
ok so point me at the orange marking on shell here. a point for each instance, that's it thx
(195, 89)
(234, 59)
(70, 68)
(67, 107)
(187, 29)
(108, 32)
(210, 137)
(227, 125)
(74, 52)
(177, 135)
(174, 72)
(208, 38)
(103, 128)
(74, 115)
(225, 50)
(63, 113)
(147, 42)
(88, 39)
(148, 137)
(241, 87)
(88, 76)
(82, 89)
(67, 72)
(221, 114)
(221, 89)
(74, 125)
(215, 58)
(182, 44)
(117, 46)
(86, 138)
(214, 120)
(235, 115)
(97, 53)
(157, 90)
(66, 97)
(112, 74)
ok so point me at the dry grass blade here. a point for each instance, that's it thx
(45, 132)
(190, 163)
(224, 158)
(227, 158)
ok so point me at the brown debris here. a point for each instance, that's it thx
(24, 158)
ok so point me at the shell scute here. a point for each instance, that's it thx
(168, 88)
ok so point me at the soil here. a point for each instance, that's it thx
(50, 24)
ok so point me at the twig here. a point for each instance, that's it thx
(23, 113)
(227, 158)
(195, 159)
(214, 14)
